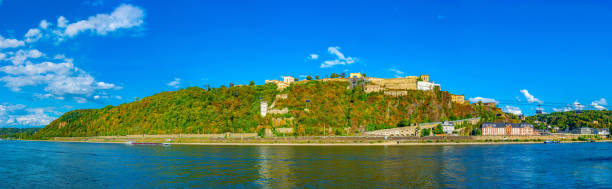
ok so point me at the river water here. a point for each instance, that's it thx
(26, 164)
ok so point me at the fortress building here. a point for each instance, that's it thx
(459, 99)
(287, 80)
(399, 86)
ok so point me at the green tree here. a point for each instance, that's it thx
(252, 83)
(438, 129)
(309, 78)
(403, 123)
(425, 132)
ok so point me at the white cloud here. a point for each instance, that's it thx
(599, 104)
(44, 24)
(574, 106)
(35, 117)
(21, 56)
(19, 115)
(175, 83)
(33, 35)
(313, 56)
(483, 100)
(578, 106)
(397, 73)
(530, 98)
(124, 16)
(340, 58)
(10, 43)
(62, 22)
(513, 110)
(80, 100)
(58, 78)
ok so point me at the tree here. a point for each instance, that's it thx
(403, 123)
(317, 77)
(308, 77)
(425, 132)
(334, 75)
(231, 85)
(252, 83)
(438, 129)
(343, 75)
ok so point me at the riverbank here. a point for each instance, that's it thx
(325, 142)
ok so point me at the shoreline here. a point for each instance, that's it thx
(389, 143)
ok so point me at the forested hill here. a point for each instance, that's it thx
(573, 119)
(237, 109)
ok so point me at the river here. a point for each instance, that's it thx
(30, 164)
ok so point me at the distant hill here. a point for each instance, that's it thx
(332, 105)
(17, 132)
(573, 119)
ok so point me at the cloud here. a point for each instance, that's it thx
(398, 73)
(578, 106)
(80, 100)
(58, 79)
(44, 24)
(123, 17)
(530, 98)
(483, 100)
(33, 35)
(340, 58)
(20, 115)
(175, 83)
(574, 106)
(62, 22)
(313, 56)
(598, 104)
(21, 56)
(513, 110)
(10, 43)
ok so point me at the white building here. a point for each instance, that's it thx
(426, 86)
(263, 108)
(448, 127)
(288, 79)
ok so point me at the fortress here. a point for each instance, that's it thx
(388, 86)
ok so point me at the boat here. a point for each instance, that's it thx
(548, 142)
(147, 143)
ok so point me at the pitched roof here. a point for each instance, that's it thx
(502, 125)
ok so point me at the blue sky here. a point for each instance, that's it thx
(60, 56)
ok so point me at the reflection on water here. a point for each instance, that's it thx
(82, 165)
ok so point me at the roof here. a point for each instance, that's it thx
(503, 125)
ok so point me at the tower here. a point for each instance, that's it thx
(263, 108)
(424, 78)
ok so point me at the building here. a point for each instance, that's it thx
(507, 129)
(459, 99)
(263, 108)
(424, 78)
(490, 104)
(448, 127)
(604, 131)
(373, 88)
(288, 79)
(426, 86)
(272, 81)
(355, 75)
(590, 131)
(583, 131)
